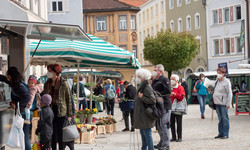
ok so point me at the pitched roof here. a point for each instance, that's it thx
(136, 3)
(106, 5)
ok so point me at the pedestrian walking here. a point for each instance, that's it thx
(82, 96)
(163, 86)
(61, 103)
(145, 95)
(110, 97)
(45, 123)
(222, 97)
(178, 93)
(201, 94)
(129, 94)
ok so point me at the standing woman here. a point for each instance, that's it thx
(110, 103)
(61, 103)
(222, 98)
(178, 93)
(202, 94)
(19, 93)
(145, 95)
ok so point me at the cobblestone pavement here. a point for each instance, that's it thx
(198, 134)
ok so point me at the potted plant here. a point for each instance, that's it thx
(100, 126)
(90, 114)
(81, 114)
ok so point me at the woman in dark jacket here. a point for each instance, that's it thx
(144, 96)
(19, 93)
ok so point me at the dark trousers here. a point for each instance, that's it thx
(126, 115)
(110, 106)
(178, 119)
(83, 104)
(70, 145)
(58, 123)
(45, 144)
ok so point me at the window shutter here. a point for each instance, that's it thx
(65, 5)
(49, 5)
(221, 46)
(231, 13)
(232, 45)
(220, 15)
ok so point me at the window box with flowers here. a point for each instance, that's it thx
(100, 126)
(87, 134)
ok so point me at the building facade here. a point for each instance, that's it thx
(223, 32)
(181, 16)
(114, 22)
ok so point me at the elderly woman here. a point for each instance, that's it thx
(222, 98)
(110, 102)
(178, 93)
(145, 96)
(61, 103)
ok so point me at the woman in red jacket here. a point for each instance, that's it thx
(177, 92)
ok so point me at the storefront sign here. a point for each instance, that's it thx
(242, 103)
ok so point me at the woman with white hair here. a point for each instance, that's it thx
(177, 92)
(145, 96)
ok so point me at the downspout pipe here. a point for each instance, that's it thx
(247, 23)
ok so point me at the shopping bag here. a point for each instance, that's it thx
(70, 132)
(16, 136)
(36, 146)
(180, 108)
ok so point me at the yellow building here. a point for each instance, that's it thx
(114, 22)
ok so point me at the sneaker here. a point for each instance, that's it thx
(26, 122)
(202, 117)
(126, 129)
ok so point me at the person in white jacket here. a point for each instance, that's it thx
(222, 98)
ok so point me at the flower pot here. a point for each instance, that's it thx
(82, 118)
(109, 128)
(114, 127)
(101, 129)
(90, 118)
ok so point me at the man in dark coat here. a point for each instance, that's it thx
(163, 86)
(185, 86)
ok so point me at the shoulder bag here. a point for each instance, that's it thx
(180, 108)
(70, 132)
(211, 103)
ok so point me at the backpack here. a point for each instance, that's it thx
(110, 93)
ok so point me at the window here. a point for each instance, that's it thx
(162, 6)
(134, 50)
(172, 25)
(147, 14)
(238, 12)
(162, 25)
(156, 9)
(197, 21)
(188, 23)
(227, 46)
(157, 28)
(179, 25)
(238, 48)
(179, 2)
(216, 47)
(152, 31)
(101, 23)
(148, 32)
(132, 22)
(171, 4)
(188, 1)
(215, 16)
(123, 47)
(226, 14)
(152, 12)
(57, 5)
(123, 22)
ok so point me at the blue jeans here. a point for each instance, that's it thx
(83, 103)
(202, 100)
(26, 130)
(147, 139)
(163, 125)
(223, 125)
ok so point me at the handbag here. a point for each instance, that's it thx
(211, 103)
(70, 132)
(16, 136)
(180, 108)
(126, 105)
(194, 89)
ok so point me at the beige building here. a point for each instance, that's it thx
(114, 22)
(189, 15)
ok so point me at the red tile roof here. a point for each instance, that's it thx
(136, 3)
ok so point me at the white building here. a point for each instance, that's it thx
(223, 32)
(66, 12)
(151, 19)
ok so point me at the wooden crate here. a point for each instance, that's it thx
(34, 137)
(87, 137)
(109, 128)
(114, 127)
(100, 129)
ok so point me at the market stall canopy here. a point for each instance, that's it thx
(96, 54)
(43, 31)
(95, 73)
(231, 72)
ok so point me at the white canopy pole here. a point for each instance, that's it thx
(77, 90)
(91, 87)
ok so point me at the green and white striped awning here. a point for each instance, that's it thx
(96, 53)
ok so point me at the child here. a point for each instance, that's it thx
(34, 90)
(45, 126)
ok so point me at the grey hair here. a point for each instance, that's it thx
(143, 74)
(175, 76)
(160, 67)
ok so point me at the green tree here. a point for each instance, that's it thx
(171, 49)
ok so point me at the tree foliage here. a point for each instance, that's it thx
(171, 49)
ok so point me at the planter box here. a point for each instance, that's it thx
(34, 137)
(114, 127)
(100, 129)
(87, 137)
(109, 128)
